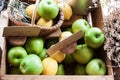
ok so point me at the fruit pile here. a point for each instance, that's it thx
(47, 11)
(79, 7)
(32, 58)
(78, 58)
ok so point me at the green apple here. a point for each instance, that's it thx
(31, 64)
(60, 70)
(96, 67)
(43, 54)
(79, 69)
(48, 9)
(83, 54)
(14, 70)
(34, 45)
(69, 59)
(94, 37)
(15, 55)
(82, 6)
(80, 24)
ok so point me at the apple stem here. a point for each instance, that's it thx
(23, 67)
(100, 65)
(97, 35)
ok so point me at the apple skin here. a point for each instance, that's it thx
(80, 24)
(80, 69)
(83, 54)
(34, 45)
(94, 37)
(48, 9)
(43, 54)
(82, 6)
(15, 55)
(60, 70)
(31, 64)
(96, 67)
(69, 59)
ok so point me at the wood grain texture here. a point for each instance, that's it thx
(21, 31)
(58, 46)
(56, 34)
(3, 23)
(44, 77)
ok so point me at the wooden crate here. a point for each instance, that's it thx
(95, 19)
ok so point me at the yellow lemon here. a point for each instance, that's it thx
(43, 22)
(64, 35)
(58, 56)
(50, 66)
(67, 11)
(29, 11)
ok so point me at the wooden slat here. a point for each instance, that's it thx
(97, 18)
(27, 31)
(3, 62)
(109, 67)
(58, 46)
(3, 22)
(89, 19)
(21, 31)
(55, 34)
(45, 77)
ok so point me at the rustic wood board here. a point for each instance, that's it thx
(58, 46)
(3, 23)
(44, 77)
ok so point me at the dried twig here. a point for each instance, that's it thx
(18, 11)
(112, 35)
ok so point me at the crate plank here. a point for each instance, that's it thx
(21, 31)
(76, 36)
(54, 35)
(3, 23)
(43, 77)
